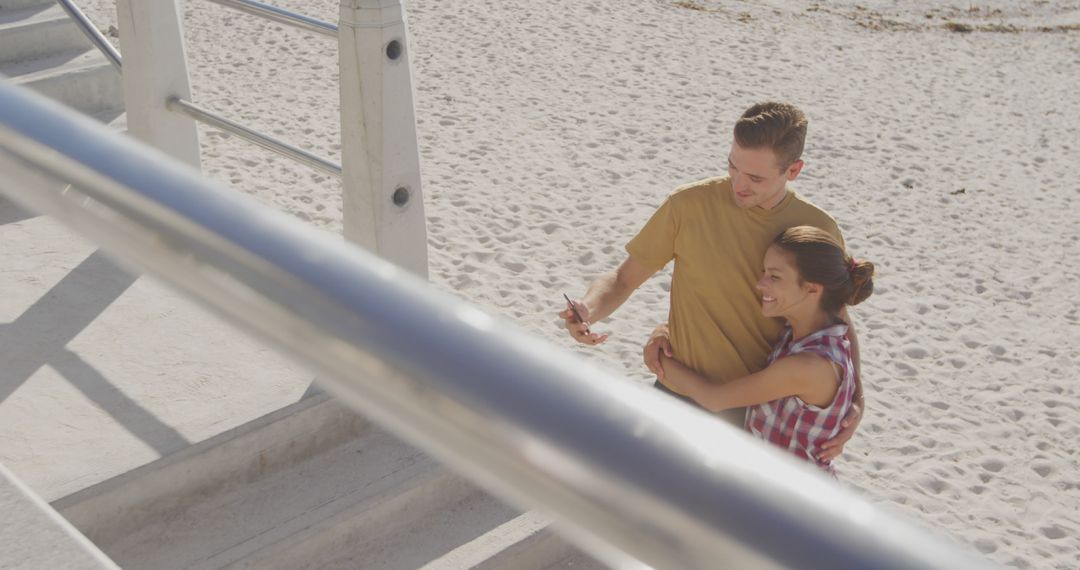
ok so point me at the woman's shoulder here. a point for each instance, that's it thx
(830, 342)
(806, 367)
(826, 334)
(802, 360)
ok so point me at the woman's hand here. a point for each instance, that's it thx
(659, 342)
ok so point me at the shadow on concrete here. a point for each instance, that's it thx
(123, 409)
(10, 15)
(40, 336)
(10, 212)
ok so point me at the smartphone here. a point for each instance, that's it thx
(573, 307)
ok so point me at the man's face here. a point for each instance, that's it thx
(757, 178)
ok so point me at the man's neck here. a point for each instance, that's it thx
(776, 200)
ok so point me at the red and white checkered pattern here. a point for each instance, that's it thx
(794, 425)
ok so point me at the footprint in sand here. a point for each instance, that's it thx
(916, 352)
(551, 227)
(1043, 469)
(993, 464)
(514, 266)
(1053, 532)
(905, 369)
(934, 485)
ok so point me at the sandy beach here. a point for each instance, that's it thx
(941, 138)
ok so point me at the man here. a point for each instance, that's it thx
(717, 231)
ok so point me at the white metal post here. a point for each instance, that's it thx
(155, 68)
(383, 202)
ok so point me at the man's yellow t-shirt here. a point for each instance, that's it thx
(715, 319)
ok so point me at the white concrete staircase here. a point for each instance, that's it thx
(43, 49)
(309, 486)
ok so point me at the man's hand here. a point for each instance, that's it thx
(659, 341)
(579, 329)
(834, 447)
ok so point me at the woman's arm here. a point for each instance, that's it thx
(808, 376)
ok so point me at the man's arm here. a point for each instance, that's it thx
(854, 339)
(834, 447)
(604, 296)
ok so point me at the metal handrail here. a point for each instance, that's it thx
(281, 15)
(300, 155)
(637, 471)
(91, 32)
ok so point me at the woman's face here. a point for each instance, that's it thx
(781, 292)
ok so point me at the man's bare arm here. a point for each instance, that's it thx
(854, 339)
(834, 447)
(604, 296)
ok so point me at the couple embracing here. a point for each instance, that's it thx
(758, 331)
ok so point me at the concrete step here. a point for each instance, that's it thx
(9, 5)
(84, 81)
(35, 536)
(31, 33)
(116, 119)
(524, 543)
(115, 509)
(308, 486)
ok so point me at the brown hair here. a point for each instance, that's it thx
(780, 127)
(821, 259)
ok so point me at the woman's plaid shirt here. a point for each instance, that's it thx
(794, 425)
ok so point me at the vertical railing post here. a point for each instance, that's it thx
(155, 68)
(383, 203)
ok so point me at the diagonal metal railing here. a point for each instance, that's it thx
(282, 16)
(91, 32)
(625, 470)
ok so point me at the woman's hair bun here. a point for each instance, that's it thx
(862, 281)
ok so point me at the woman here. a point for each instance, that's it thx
(808, 383)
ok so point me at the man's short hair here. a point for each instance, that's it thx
(777, 126)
